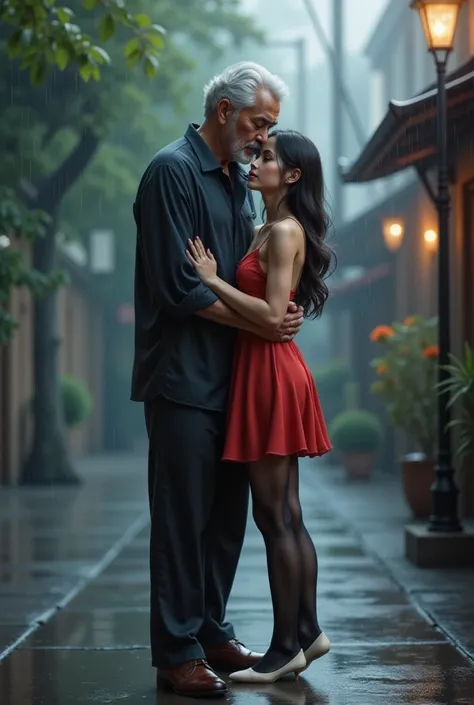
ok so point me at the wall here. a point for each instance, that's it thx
(462, 302)
(80, 355)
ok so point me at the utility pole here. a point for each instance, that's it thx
(337, 108)
(300, 46)
(346, 100)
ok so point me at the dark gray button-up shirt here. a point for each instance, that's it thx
(183, 193)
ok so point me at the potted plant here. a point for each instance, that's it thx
(331, 381)
(407, 378)
(356, 434)
(460, 388)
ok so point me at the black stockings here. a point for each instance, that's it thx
(308, 626)
(291, 559)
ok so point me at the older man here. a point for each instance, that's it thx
(184, 340)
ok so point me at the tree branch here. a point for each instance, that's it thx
(53, 189)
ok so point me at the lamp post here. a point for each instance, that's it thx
(439, 19)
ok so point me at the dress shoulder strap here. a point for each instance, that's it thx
(288, 217)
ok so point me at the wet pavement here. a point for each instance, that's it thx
(53, 541)
(95, 648)
(376, 513)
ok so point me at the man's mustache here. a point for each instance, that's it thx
(255, 146)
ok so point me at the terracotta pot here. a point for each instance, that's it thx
(418, 475)
(358, 466)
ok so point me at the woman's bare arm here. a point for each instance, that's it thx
(269, 312)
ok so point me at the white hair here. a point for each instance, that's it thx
(240, 84)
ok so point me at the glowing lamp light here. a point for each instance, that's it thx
(431, 240)
(393, 231)
(439, 19)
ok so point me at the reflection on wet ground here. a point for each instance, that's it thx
(95, 650)
(360, 675)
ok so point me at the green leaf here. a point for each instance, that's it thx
(156, 40)
(151, 65)
(134, 58)
(131, 47)
(107, 27)
(14, 44)
(86, 72)
(142, 20)
(62, 57)
(158, 29)
(100, 55)
(95, 73)
(65, 14)
(91, 4)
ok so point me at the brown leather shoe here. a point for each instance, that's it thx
(196, 679)
(232, 656)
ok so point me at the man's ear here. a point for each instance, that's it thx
(225, 110)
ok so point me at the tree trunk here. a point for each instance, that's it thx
(48, 461)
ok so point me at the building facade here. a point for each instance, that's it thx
(399, 164)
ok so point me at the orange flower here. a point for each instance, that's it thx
(382, 369)
(381, 333)
(432, 351)
(409, 320)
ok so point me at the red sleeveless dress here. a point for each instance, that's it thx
(274, 407)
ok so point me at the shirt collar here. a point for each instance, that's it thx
(206, 158)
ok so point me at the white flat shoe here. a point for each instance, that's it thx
(296, 665)
(318, 648)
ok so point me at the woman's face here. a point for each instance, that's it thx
(265, 173)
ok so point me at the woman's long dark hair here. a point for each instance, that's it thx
(306, 202)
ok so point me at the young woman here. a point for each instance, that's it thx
(274, 411)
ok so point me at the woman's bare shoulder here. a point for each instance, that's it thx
(287, 231)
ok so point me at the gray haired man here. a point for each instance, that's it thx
(184, 340)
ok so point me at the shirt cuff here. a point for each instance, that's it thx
(199, 298)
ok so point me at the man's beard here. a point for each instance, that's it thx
(238, 148)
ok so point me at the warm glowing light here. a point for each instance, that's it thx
(393, 234)
(431, 239)
(439, 19)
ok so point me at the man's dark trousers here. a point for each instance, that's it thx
(198, 507)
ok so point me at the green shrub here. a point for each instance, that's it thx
(356, 431)
(76, 400)
(332, 378)
(331, 382)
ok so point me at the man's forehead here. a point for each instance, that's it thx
(266, 105)
(269, 118)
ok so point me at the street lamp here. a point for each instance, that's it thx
(439, 19)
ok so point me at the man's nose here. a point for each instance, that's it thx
(262, 136)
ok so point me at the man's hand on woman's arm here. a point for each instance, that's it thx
(219, 312)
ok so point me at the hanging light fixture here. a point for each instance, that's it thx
(431, 240)
(393, 231)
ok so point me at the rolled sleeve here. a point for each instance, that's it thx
(166, 223)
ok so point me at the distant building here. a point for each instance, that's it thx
(398, 162)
